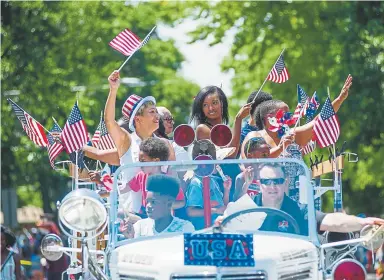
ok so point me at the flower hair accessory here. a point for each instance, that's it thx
(281, 122)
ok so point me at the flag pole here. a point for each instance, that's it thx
(98, 161)
(268, 75)
(54, 120)
(138, 48)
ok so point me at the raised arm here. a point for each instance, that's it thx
(119, 135)
(304, 133)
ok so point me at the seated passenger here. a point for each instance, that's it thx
(195, 200)
(247, 181)
(151, 150)
(162, 191)
(272, 195)
(251, 123)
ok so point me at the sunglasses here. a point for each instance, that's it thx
(276, 181)
(170, 119)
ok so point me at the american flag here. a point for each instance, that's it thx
(101, 139)
(309, 148)
(74, 135)
(279, 73)
(54, 147)
(298, 111)
(33, 128)
(301, 95)
(96, 137)
(312, 107)
(302, 103)
(126, 42)
(327, 128)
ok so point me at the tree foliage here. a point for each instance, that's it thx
(56, 52)
(324, 41)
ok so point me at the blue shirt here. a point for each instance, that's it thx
(194, 197)
(247, 128)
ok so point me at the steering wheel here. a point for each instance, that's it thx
(268, 211)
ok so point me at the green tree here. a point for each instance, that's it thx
(55, 52)
(325, 41)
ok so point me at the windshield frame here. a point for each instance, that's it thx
(312, 231)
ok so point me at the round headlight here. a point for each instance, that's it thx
(348, 269)
(82, 210)
(50, 247)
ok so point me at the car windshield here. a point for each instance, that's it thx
(270, 195)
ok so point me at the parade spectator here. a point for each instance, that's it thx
(10, 260)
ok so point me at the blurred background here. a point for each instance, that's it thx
(53, 53)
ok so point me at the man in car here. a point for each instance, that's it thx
(272, 195)
(273, 183)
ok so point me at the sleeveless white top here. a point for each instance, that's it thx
(131, 201)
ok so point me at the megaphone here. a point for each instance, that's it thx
(221, 135)
(331, 237)
(184, 135)
(204, 150)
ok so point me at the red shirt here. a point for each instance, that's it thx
(139, 182)
(254, 188)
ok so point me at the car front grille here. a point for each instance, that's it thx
(134, 277)
(304, 274)
(258, 275)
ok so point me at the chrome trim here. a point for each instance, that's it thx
(254, 275)
(304, 274)
(134, 277)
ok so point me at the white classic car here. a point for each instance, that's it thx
(251, 241)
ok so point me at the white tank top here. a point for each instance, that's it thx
(131, 201)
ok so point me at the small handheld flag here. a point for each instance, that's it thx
(127, 43)
(101, 139)
(74, 135)
(54, 147)
(327, 128)
(312, 107)
(33, 128)
(309, 148)
(279, 73)
(302, 96)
